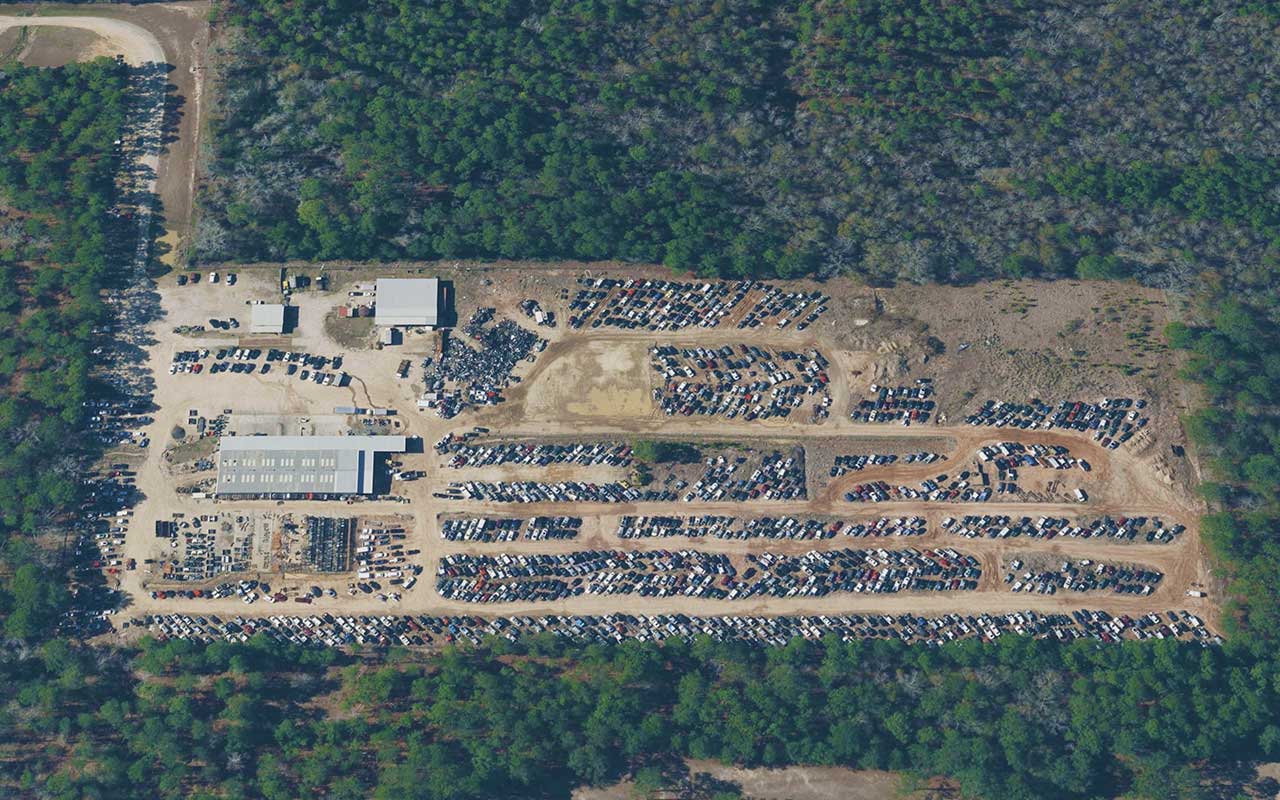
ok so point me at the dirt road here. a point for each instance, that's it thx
(138, 45)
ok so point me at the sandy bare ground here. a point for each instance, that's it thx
(138, 45)
(553, 401)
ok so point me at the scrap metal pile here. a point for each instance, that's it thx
(465, 376)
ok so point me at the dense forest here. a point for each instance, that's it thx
(898, 140)
(894, 140)
(58, 168)
(1017, 720)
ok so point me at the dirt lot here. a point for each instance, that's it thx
(587, 380)
(594, 385)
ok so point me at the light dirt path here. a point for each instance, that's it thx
(138, 45)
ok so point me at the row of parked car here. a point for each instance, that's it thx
(560, 492)
(905, 404)
(795, 528)
(1083, 575)
(778, 476)
(960, 489)
(249, 591)
(380, 553)
(509, 529)
(691, 573)
(821, 572)
(1006, 457)
(115, 415)
(747, 381)
(781, 308)
(545, 577)
(245, 360)
(614, 454)
(116, 421)
(1113, 421)
(664, 305)
(845, 464)
(194, 278)
(328, 630)
(101, 536)
(1150, 529)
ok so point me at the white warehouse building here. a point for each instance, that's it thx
(301, 465)
(407, 302)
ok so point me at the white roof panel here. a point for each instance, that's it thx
(407, 301)
(266, 318)
(300, 464)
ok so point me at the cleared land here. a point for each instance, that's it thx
(595, 385)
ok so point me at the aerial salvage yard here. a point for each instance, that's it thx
(609, 455)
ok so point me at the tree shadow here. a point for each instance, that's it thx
(1237, 779)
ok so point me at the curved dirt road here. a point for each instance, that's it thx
(137, 44)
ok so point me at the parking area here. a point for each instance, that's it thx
(817, 477)
(695, 573)
(1047, 574)
(748, 381)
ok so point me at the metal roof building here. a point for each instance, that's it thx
(301, 465)
(407, 301)
(266, 318)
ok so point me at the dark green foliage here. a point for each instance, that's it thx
(477, 129)
(918, 141)
(1223, 189)
(921, 63)
(33, 598)
(57, 173)
(1094, 267)
(1236, 358)
(650, 451)
(1012, 719)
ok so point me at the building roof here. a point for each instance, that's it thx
(266, 318)
(300, 464)
(407, 301)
